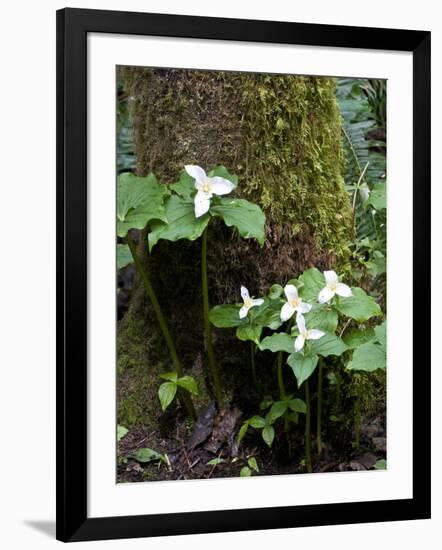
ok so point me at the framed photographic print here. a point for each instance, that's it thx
(243, 301)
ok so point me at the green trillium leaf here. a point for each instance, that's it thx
(139, 200)
(329, 344)
(257, 422)
(249, 332)
(124, 256)
(226, 316)
(355, 337)
(275, 291)
(359, 306)
(298, 405)
(378, 196)
(322, 318)
(368, 357)
(303, 366)
(247, 217)
(278, 409)
(267, 315)
(278, 342)
(170, 376)
(381, 334)
(313, 282)
(185, 187)
(181, 222)
(166, 393)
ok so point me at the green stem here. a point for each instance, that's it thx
(308, 458)
(187, 400)
(319, 411)
(207, 326)
(253, 364)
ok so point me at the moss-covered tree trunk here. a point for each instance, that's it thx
(281, 135)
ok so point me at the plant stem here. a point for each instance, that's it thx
(357, 412)
(207, 326)
(319, 411)
(308, 458)
(252, 360)
(187, 400)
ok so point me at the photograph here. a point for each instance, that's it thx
(251, 271)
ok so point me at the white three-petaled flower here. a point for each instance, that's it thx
(206, 187)
(305, 334)
(332, 287)
(248, 302)
(294, 303)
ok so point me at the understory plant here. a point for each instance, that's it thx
(314, 311)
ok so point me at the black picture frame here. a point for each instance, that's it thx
(73, 25)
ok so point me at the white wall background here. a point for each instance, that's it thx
(27, 304)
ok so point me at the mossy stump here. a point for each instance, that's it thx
(281, 134)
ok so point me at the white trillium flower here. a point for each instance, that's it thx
(207, 187)
(294, 303)
(333, 286)
(248, 302)
(304, 334)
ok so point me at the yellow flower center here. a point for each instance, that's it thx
(332, 286)
(248, 302)
(207, 187)
(295, 302)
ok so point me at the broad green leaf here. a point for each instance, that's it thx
(293, 417)
(368, 357)
(313, 282)
(189, 384)
(268, 434)
(323, 318)
(181, 222)
(226, 316)
(381, 334)
(355, 337)
(257, 422)
(121, 432)
(378, 196)
(245, 472)
(242, 431)
(166, 393)
(249, 332)
(268, 314)
(329, 344)
(215, 461)
(360, 306)
(146, 455)
(171, 376)
(303, 366)
(277, 410)
(247, 217)
(297, 405)
(139, 200)
(253, 464)
(280, 341)
(185, 187)
(381, 464)
(124, 256)
(275, 291)
(222, 172)
(266, 402)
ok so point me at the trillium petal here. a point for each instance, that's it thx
(299, 342)
(245, 293)
(196, 172)
(325, 295)
(343, 290)
(304, 307)
(221, 186)
(291, 292)
(331, 278)
(315, 334)
(287, 311)
(300, 321)
(202, 204)
(258, 301)
(243, 312)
